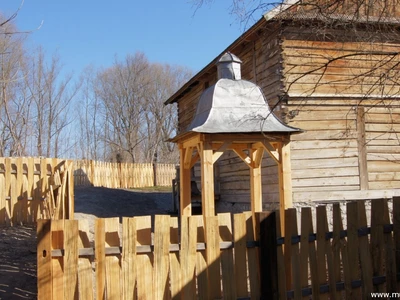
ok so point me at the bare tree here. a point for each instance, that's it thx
(124, 118)
(52, 97)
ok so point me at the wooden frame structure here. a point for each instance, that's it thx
(208, 148)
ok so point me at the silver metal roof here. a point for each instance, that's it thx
(233, 105)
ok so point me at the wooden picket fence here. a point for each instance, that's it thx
(123, 175)
(337, 263)
(33, 188)
(209, 261)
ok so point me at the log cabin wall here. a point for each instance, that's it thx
(345, 94)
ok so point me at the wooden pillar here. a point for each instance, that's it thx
(255, 180)
(185, 205)
(285, 180)
(362, 149)
(207, 179)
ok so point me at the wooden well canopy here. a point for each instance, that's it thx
(233, 115)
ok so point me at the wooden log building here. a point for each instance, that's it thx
(333, 71)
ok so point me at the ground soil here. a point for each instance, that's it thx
(18, 244)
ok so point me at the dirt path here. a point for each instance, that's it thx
(18, 244)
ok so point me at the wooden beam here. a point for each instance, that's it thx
(285, 180)
(255, 182)
(257, 156)
(217, 154)
(362, 149)
(207, 179)
(188, 157)
(194, 160)
(242, 155)
(185, 205)
(272, 151)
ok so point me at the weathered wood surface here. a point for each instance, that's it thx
(201, 263)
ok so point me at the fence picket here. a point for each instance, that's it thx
(161, 256)
(144, 260)
(85, 281)
(3, 192)
(100, 257)
(175, 272)
(295, 257)
(252, 254)
(353, 247)
(71, 256)
(113, 278)
(240, 251)
(391, 274)
(377, 240)
(213, 257)
(57, 264)
(129, 258)
(227, 262)
(201, 262)
(339, 248)
(304, 249)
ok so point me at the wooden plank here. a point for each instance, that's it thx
(71, 255)
(144, 261)
(57, 242)
(174, 262)
(353, 247)
(8, 206)
(213, 257)
(227, 262)
(396, 234)
(252, 257)
(329, 255)
(113, 270)
(185, 205)
(3, 194)
(20, 192)
(337, 246)
(30, 189)
(161, 256)
(285, 179)
(321, 248)
(43, 183)
(280, 260)
(304, 249)
(100, 259)
(294, 252)
(390, 261)
(377, 241)
(44, 260)
(85, 274)
(201, 261)
(207, 180)
(255, 187)
(129, 271)
(306, 220)
(240, 255)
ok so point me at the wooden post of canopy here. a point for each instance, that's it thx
(207, 179)
(285, 180)
(185, 205)
(255, 179)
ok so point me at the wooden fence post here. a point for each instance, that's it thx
(44, 270)
(268, 256)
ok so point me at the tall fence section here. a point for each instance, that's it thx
(33, 188)
(206, 258)
(123, 175)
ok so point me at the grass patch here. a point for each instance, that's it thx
(161, 189)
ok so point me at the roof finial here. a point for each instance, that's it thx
(229, 67)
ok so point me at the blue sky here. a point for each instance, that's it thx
(87, 32)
